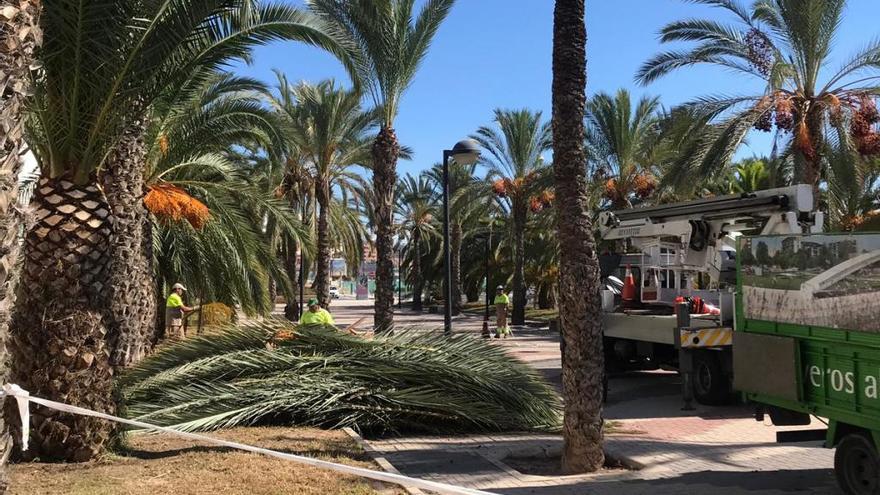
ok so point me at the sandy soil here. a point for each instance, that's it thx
(159, 464)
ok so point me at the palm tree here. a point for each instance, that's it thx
(749, 176)
(853, 196)
(87, 259)
(580, 316)
(623, 140)
(513, 156)
(20, 31)
(417, 211)
(785, 44)
(388, 47)
(328, 127)
(193, 170)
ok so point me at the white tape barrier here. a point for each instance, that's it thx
(23, 398)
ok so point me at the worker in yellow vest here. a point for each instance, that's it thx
(316, 315)
(175, 310)
(502, 305)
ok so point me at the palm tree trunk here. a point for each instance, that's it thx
(58, 340)
(21, 34)
(131, 303)
(519, 249)
(455, 235)
(322, 272)
(385, 152)
(582, 359)
(291, 308)
(416, 272)
(812, 160)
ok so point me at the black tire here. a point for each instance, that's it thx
(711, 386)
(857, 466)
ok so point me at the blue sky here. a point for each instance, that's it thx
(497, 53)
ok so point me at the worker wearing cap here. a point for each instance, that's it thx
(502, 304)
(316, 315)
(174, 312)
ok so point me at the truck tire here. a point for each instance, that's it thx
(711, 385)
(857, 465)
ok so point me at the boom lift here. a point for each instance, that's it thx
(685, 253)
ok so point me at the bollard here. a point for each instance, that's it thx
(685, 357)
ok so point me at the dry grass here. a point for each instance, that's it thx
(154, 464)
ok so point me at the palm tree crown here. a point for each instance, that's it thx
(623, 140)
(786, 44)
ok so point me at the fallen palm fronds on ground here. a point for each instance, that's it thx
(274, 373)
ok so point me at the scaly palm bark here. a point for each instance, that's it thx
(385, 151)
(21, 36)
(292, 306)
(518, 316)
(61, 301)
(131, 302)
(418, 284)
(582, 362)
(322, 272)
(455, 237)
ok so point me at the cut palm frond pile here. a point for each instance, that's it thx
(271, 373)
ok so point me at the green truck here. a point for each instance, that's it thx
(807, 341)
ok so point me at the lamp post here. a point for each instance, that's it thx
(464, 152)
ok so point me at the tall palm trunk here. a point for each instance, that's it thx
(21, 36)
(58, 339)
(811, 151)
(322, 272)
(455, 246)
(385, 151)
(416, 272)
(519, 249)
(582, 359)
(291, 307)
(131, 302)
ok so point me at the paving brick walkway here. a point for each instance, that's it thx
(670, 467)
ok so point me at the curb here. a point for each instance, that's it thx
(379, 459)
(615, 455)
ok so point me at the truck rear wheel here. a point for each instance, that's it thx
(857, 466)
(711, 385)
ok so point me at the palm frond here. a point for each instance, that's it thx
(410, 381)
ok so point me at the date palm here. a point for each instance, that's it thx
(580, 308)
(853, 196)
(390, 43)
(516, 168)
(329, 128)
(416, 207)
(623, 140)
(786, 45)
(21, 35)
(87, 260)
(228, 256)
(467, 195)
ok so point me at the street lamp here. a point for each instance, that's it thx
(465, 152)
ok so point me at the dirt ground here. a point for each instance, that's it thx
(160, 464)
